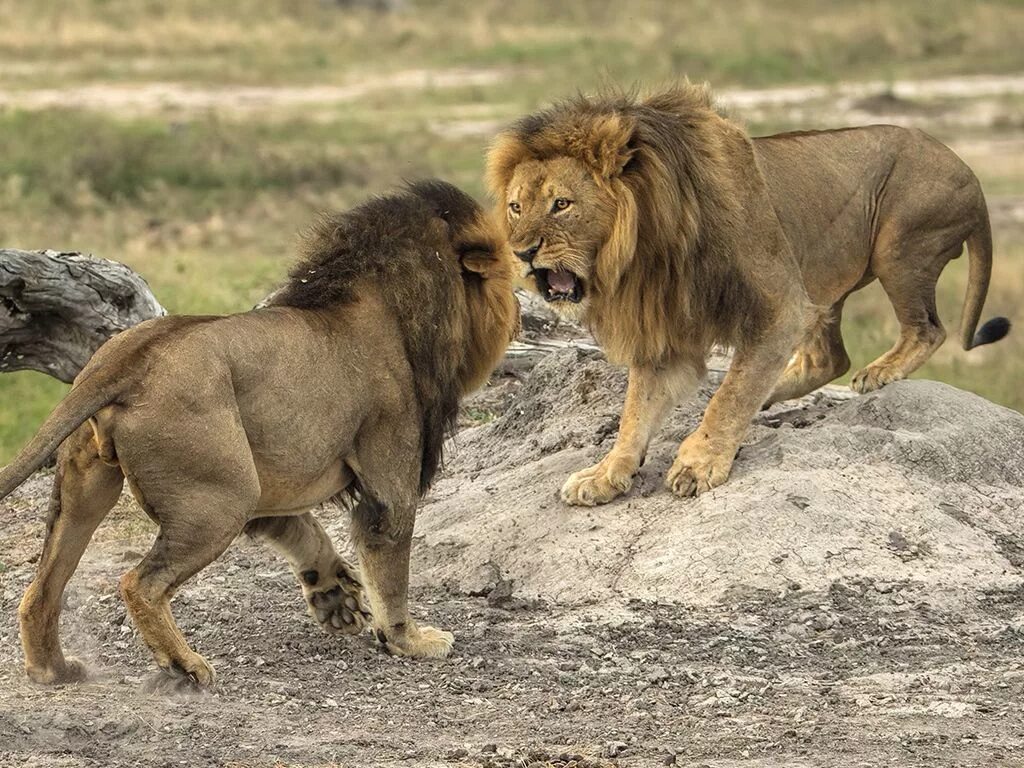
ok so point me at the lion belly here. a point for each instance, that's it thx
(825, 187)
(282, 494)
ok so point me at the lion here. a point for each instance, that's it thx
(666, 229)
(345, 386)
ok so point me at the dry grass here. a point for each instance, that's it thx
(206, 203)
(563, 45)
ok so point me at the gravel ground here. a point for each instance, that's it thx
(865, 674)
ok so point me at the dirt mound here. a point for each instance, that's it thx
(918, 484)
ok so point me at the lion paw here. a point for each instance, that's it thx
(71, 671)
(336, 600)
(417, 642)
(600, 483)
(692, 475)
(875, 377)
(191, 672)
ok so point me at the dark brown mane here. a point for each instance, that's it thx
(667, 265)
(410, 244)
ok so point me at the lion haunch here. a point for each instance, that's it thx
(344, 384)
(666, 229)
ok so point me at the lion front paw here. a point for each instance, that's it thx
(417, 642)
(696, 471)
(336, 600)
(600, 483)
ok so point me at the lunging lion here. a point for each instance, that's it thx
(667, 230)
(346, 384)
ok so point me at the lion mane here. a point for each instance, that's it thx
(455, 335)
(666, 281)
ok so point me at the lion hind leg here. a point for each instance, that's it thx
(912, 293)
(820, 359)
(194, 531)
(84, 491)
(330, 584)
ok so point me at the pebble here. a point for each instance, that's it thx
(658, 674)
(614, 748)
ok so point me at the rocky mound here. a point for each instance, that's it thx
(918, 485)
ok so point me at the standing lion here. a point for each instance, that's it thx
(345, 385)
(667, 230)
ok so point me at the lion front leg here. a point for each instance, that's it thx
(705, 457)
(651, 393)
(383, 537)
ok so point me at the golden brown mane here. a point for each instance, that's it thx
(442, 268)
(665, 282)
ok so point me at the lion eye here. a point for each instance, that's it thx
(561, 204)
(514, 207)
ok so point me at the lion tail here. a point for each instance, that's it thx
(979, 271)
(83, 401)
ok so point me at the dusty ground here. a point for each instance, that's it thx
(859, 672)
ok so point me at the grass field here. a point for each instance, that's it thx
(192, 140)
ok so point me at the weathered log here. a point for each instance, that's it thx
(57, 308)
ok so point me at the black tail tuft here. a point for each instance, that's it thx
(993, 330)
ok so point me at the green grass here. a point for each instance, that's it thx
(206, 203)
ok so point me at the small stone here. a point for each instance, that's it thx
(489, 749)
(501, 595)
(330, 704)
(483, 580)
(614, 748)
(823, 621)
(898, 542)
(884, 587)
(658, 674)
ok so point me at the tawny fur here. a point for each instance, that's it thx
(345, 384)
(683, 232)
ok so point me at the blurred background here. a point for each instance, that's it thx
(193, 139)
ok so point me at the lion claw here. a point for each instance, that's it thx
(598, 484)
(685, 479)
(874, 377)
(417, 642)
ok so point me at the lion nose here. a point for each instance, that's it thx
(527, 254)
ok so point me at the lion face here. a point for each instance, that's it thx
(558, 218)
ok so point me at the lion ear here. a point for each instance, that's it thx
(486, 260)
(478, 260)
(505, 154)
(611, 144)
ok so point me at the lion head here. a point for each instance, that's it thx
(616, 208)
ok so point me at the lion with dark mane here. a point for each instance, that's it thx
(666, 229)
(344, 385)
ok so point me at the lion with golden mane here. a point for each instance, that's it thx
(345, 385)
(667, 229)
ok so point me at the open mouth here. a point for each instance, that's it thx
(558, 285)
